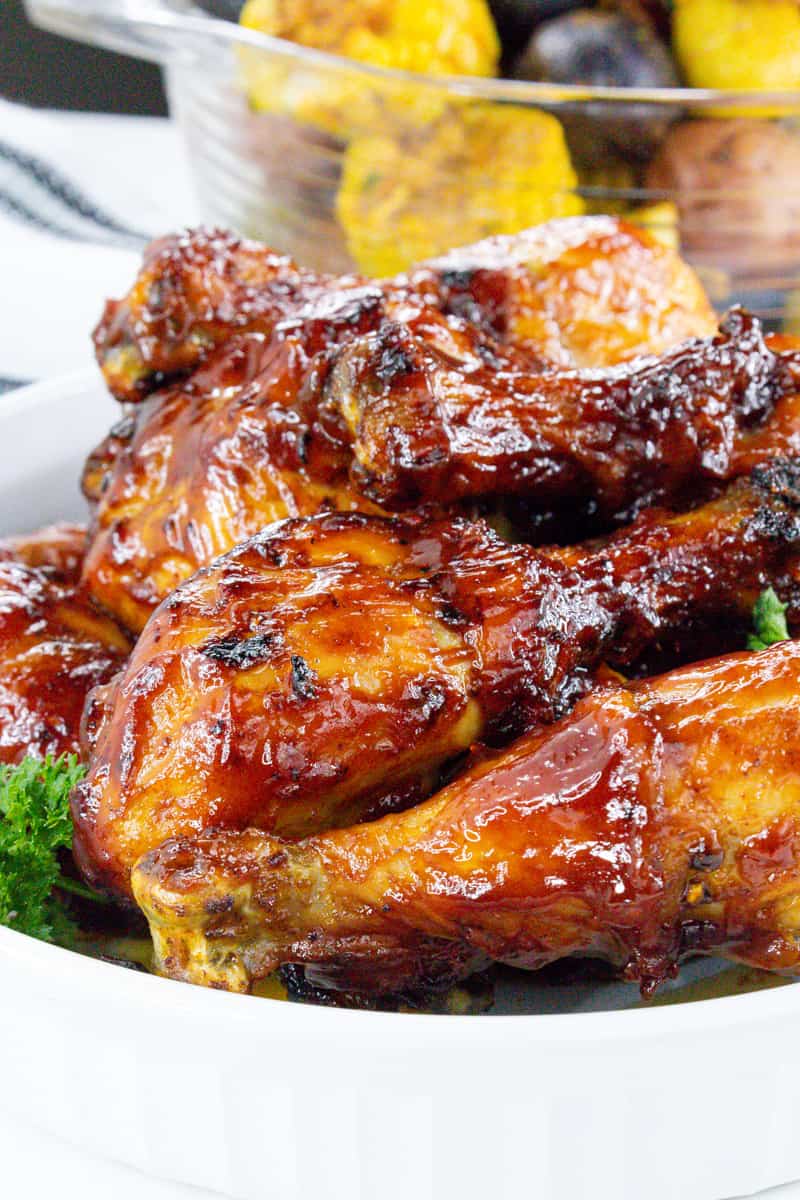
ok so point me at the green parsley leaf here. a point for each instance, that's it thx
(769, 621)
(35, 824)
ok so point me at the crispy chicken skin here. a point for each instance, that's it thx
(362, 402)
(330, 667)
(583, 291)
(55, 646)
(654, 821)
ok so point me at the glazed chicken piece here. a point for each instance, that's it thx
(60, 547)
(580, 291)
(584, 291)
(430, 420)
(423, 409)
(247, 440)
(329, 668)
(198, 468)
(655, 821)
(194, 290)
(55, 646)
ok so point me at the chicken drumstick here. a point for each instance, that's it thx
(421, 410)
(654, 821)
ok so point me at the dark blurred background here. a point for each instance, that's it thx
(49, 71)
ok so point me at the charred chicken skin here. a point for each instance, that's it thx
(584, 291)
(55, 646)
(655, 820)
(329, 668)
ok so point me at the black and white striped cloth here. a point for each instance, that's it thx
(80, 196)
(38, 194)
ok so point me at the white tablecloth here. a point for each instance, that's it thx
(79, 195)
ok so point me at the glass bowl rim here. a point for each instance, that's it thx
(492, 88)
(90, 19)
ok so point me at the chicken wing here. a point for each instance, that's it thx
(654, 821)
(327, 669)
(54, 648)
(584, 291)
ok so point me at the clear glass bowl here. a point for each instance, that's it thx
(348, 166)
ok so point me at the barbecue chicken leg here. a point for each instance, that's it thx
(654, 821)
(329, 668)
(421, 410)
(429, 419)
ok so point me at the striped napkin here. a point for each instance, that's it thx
(80, 195)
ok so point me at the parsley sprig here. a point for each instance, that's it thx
(35, 826)
(769, 621)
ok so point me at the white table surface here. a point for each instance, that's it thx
(36, 1167)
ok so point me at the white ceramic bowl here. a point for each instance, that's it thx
(258, 1099)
